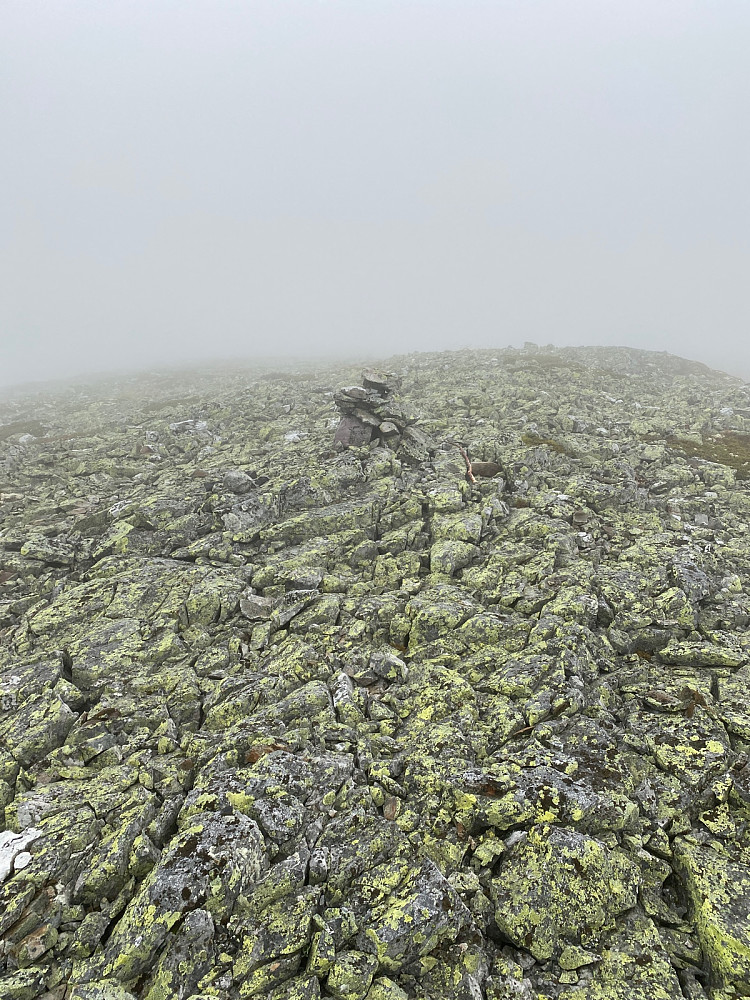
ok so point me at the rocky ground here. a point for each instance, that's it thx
(291, 720)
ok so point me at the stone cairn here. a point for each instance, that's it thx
(370, 413)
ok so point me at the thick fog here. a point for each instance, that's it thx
(193, 180)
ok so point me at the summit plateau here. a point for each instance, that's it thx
(426, 682)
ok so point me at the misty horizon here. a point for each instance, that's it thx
(260, 364)
(196, 183)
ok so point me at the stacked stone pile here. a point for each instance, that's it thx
(371, 413)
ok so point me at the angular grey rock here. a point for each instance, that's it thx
(237, 481)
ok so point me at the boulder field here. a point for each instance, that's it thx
(290, 707)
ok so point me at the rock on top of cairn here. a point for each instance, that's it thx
(384, 383)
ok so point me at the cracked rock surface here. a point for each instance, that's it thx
(289, 717)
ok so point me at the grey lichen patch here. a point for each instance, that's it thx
(296, 710)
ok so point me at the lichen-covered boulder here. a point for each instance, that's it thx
(413, 919)
(559, 887)
(207, 866)
(719, 891)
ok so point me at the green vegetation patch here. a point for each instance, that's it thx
(536, 440)
(730, 448)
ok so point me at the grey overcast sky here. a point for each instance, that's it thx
(195, 179)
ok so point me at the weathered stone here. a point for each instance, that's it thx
(237, 481)
(256, 608)
(352, 433)
(102, 990)
(412, 921)
(449, 557)
(559, 887)
(719, 890)
(351, 975)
